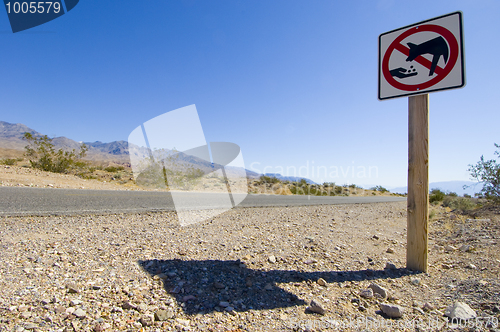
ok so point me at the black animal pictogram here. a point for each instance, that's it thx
(437, 47)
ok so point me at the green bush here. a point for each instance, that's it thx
(436, 196)
(379, 188)
(488, 173)
(114, 169)
(42, 155)
(452, 194)
(459, 203)
(8, 162)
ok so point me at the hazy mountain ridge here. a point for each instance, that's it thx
(11, 137)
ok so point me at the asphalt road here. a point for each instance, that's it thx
(18, 201)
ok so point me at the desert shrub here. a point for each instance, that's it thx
(452, 194)
(114, 169)
(488, 173)
(436, 195)
(42, 155)
(459, 203)
(8, 161)
(269, 179)
(379, 188)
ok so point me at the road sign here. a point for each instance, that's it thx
(420, 58)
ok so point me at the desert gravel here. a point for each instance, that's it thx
(316, 268)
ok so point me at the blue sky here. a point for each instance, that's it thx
(293, 83)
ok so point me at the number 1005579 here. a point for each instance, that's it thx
(33, 7)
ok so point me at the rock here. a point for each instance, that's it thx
(471, 266)
(223, 304)
(415, 281)
(147, 320)
(79, 313)
(268, 287)
(466, 248)
(272, 259)
(375, 237)
(366, 293)
(316, 307)
(75, 302)
(26, 314)
(390, 250)
(392, 310)
(322, 282)
(459, 311)
(379, 290)
(446, 266)
(72, 288)
(188, 297)
(163, 315)
(390, 266)
(449, 248)
(229, 309)
(127, 305)
(219, 285)
(30, 326)
(428, 307)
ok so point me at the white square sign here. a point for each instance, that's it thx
(423, 57)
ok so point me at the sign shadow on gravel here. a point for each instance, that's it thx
(200, 285)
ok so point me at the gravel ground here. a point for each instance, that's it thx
(249, 269)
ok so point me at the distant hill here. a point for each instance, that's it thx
(11, 138)
(448, 186)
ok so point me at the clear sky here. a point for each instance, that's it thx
(293, 83)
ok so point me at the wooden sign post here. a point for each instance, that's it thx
(418, 182)
(424, 57)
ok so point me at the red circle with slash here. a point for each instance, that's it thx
(441, 73)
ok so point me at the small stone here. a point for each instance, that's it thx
(30, 326)
(72, 288)
(272, 259)
(460, 311)
(268, 287)
(184, 322)
(428, 307)
(127, 305)
(79, 313)
(322, 282)
(26, 314)
(163, 315)
(482, 282)
(316, 307)
(390, 250)
(415, 281)
(96, 287)
(471, 266)
(310, 261)
(223, 304)
(70, 310)
(75, 302)
(379, 290)
(392, 310)
(375, 237)
(449, 248)
(219, 285)
(446, 266)
(188, 297)
(147, 320)
(229, 309)
(466, 248)
(366, 293)
(390, 266)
